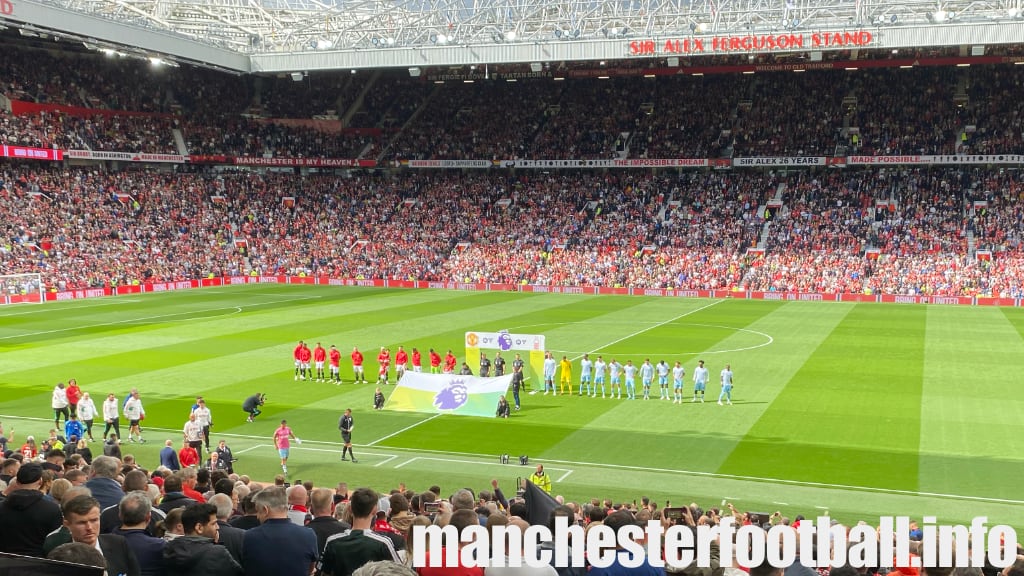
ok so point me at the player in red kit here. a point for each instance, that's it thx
(357, 365)
(417, 361)
(297, 355)
(335, 360)
(435, 362)
(305, 355)
(401, 361)
(449, 363)
(319, 355)
(384, 364)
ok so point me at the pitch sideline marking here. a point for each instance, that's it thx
(409, 427)
(642, 330)
(71, 308)
(563, 476)
(584, 465)
(474, 462)
(237, 310)
(387, 457)
(132, 320)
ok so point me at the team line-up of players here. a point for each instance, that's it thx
(309, 364)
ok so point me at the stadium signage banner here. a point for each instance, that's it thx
(609, 163)
(139, 288)
(781, 161)
(482, 76)
(448, 394)
(945, 159)
(29, 153)
(311, 162)
(447, 163)
(751, 43)
(123, 156)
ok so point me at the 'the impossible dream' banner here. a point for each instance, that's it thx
(448, 394)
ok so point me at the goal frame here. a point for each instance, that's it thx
(25, 288)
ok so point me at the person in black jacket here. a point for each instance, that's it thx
(224, 455)
(27, 515)
(82, 519)
(136, 514)
(252, 405)
(503, 408)
(197, 553)
(173, 495)
(229, 536)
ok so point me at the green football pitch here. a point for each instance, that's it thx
(860, 410)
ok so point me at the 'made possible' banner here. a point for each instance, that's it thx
(448, 394)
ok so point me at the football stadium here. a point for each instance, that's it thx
(606, 260)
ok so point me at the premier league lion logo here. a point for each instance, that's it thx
(451, 397)
(505, 341)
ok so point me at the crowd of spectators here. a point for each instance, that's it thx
(895, 231)
(250, 137)
(922, 110)
(61, 502)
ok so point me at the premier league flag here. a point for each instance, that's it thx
(448, 394)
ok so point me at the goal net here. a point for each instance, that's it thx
(21, 289)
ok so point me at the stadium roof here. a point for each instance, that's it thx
(291, 35)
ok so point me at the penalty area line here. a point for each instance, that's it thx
(651, 327)
(407, 428)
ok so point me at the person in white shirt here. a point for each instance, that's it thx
(134, 413)
(646, 376)
(700, 380)
(193, 433)
(111, 416)
(586, 366)
(662, 369)
(59, 404)
(87, 413)
(726, 380)
(629, 371)
(678, 374)
(550, 365)
(205, 420)
(599, 370)
(614, 370)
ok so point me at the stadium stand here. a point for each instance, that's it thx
(894, 230)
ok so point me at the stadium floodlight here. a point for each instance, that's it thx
(510, 35)
(939, 15)
(415, 72)
(536, 67)
(156, 62)
(297, 76)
